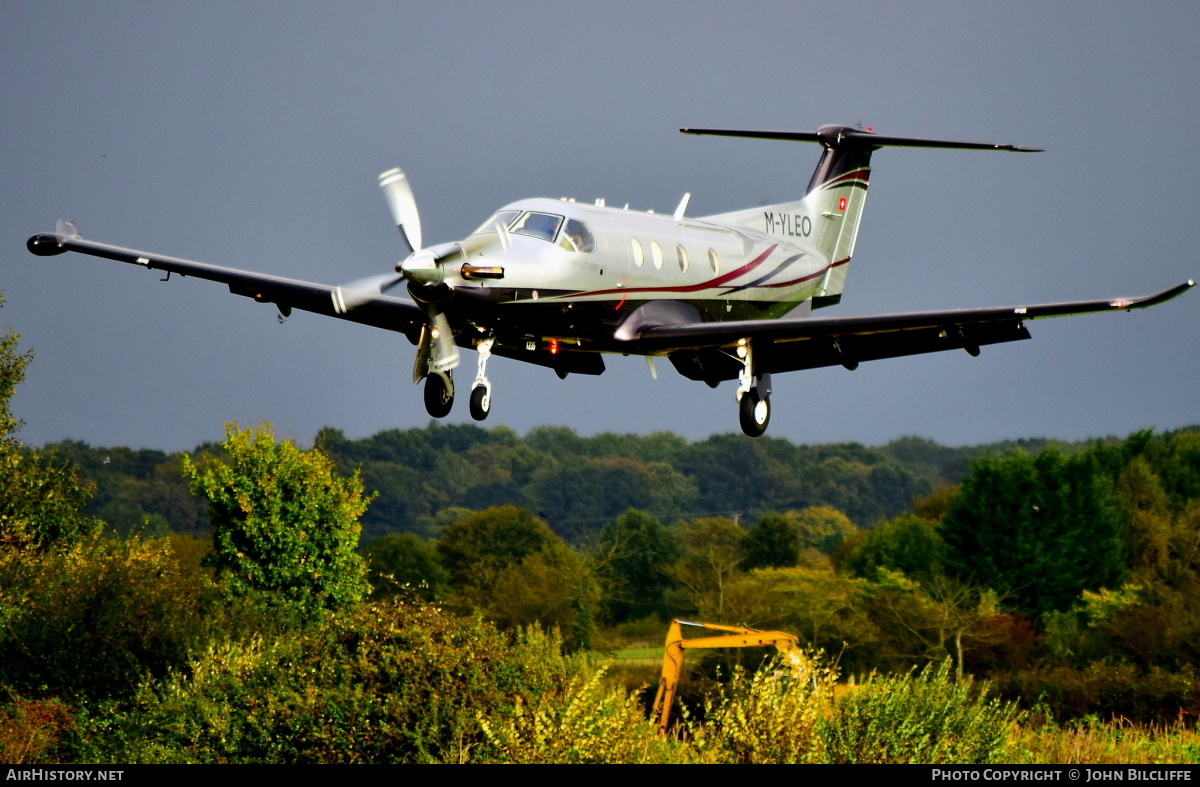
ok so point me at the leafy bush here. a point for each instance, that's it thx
(41, 497)
(1115, 743)
(920, 718)
(405, 560)
(588, 722)
(96, 620)
(30, 730)
(1145, 696)
(390, 682)
(43, 500)
(773, 715)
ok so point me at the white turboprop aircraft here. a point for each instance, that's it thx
(558, 283)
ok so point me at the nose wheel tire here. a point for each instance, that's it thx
(754, 412)
(481, 403)
(439, 398)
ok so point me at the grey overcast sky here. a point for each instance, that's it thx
(251, 134)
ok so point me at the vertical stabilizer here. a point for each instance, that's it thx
(828, 218)
(836, 196)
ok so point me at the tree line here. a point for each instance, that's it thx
(425, 477)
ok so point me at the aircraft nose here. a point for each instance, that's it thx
(422, 267)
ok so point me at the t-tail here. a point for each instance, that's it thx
(828, 217)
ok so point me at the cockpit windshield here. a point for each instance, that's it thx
(503, 217)
(576, 235)
(539, 225)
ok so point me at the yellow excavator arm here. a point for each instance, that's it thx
(735, 637)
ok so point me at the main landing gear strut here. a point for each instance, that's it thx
(753, 394)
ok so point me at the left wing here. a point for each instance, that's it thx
(381, 311)
(701, 350)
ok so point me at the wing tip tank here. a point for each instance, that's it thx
(45, 244)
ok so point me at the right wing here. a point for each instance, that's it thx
(381, 311)
(705, 350)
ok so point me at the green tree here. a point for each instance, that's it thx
(12, 372)
(712, 558)
(772, 542)
(631, 554)
(813, 602)
(553, 586)
(511, 567)
(405, 559)
(1044, 529)
(907, 543)
(579, 495)
(822, 527)
(936, 618)
(285, 525)
(475, 549)
(777, 540)
(41, 497)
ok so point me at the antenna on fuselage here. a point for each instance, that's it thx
(683, 203)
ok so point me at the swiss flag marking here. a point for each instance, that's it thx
(842, 203)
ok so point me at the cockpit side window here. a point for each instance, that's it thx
(577, 237)
(503, 217)
(539, 225)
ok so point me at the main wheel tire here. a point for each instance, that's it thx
(478, 397)
(754, 412)
(438, 396)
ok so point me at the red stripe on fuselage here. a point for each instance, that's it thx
(809, 277)
(710, 284)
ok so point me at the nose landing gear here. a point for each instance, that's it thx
(481, 393)
(439, 385)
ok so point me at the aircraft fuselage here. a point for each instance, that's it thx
(556, 288)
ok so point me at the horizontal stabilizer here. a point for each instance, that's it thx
(839, 136)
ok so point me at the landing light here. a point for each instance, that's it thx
(482, 272)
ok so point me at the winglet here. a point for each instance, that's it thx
(66, 229)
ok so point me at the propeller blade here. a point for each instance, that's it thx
(402, 204)
(350, 296)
